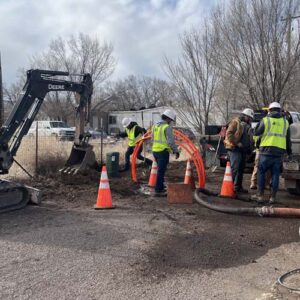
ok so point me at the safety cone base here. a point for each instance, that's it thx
(188, 177)
(98, 208)
(233, 196)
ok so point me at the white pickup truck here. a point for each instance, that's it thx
(57, 129)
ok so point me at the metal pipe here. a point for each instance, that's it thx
(23, 168)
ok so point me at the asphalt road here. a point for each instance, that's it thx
(143, 249)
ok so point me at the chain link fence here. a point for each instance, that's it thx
(44, 155)
(41, 155)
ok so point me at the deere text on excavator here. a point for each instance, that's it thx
(38, 84)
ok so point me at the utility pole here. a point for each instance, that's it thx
(1, 96)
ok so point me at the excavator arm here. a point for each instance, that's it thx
(38, 84)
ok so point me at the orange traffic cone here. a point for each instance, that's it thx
(189, 178)
(153, 174)
(227, 189)
(104, 199)
(188, 173)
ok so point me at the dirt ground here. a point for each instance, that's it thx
(145, 248)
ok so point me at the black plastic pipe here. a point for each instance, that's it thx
(202, 197)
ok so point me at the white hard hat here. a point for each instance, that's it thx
(274, 105)
(170, 114)
(126, 122)
(248, 112)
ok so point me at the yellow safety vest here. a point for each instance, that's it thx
(159, 139)
(275, 133)
(131, 138)
(255, 140)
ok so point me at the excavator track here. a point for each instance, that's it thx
(12, 196)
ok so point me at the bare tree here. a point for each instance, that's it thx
(228, 97)
(196, 77)
(11, 93)
(251, 49)
(139, 92)
(77, 55)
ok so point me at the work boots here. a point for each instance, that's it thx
(259, 197)
(272, 198)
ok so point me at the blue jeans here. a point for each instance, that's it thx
(139, 156)
(162, 160)
(237, 162)
(273, 163)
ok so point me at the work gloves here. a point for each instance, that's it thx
(177, 155)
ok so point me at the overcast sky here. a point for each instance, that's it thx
(142, 31)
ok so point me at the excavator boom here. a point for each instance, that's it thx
(38, 84)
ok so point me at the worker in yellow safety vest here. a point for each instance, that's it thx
(133, 132)
(275, 141)
(163, 143)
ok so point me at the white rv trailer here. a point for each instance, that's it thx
(145, 118)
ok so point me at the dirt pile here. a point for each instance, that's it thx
(82, 190)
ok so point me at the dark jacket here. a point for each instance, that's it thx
(137, 131)
(238, 133)
(247, 138)
(274, 151)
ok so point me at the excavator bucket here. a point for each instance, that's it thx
(81, 161)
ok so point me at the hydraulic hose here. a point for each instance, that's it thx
(202, 197)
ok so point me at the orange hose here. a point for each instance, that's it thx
(286, 212)
(185, 143)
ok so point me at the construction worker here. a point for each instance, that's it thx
(163, 144)
(253, 184)
(286, 114)
(256, 140)
(275, 142)
(238, 141)
(134, 133)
